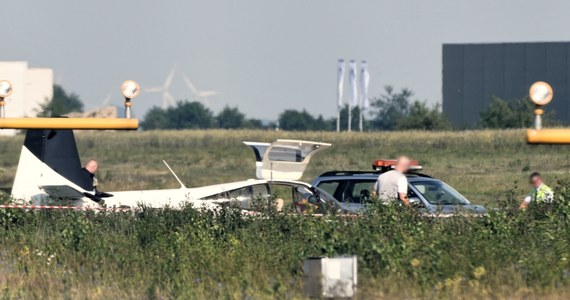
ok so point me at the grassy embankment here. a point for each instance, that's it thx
(186, 254)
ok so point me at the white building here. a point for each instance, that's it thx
(31, 87)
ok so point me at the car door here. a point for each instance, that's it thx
(417, 201)
(357, 193)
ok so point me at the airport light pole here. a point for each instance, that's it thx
(130, 89)
(541, 94)
(5, 92)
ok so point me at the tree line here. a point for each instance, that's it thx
(392, 110)
(194, 115)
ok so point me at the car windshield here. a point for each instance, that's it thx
(439, 193)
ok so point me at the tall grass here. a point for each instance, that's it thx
(196, 255)
(203, 255)
(480, 164)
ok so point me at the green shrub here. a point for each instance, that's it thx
(195, 254)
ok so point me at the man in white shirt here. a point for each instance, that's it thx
(392, 186)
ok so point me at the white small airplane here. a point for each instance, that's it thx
(49, 172)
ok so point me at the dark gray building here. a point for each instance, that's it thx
(473, 73)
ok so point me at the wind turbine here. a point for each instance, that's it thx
(106, 101)
(201, 96)
(167, 98)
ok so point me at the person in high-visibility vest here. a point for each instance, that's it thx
(540, 193)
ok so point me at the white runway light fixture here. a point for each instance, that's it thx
(541, 94)
(130, 89)
(5, 92)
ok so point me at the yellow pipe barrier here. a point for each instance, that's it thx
(548, 136)
(69, 123)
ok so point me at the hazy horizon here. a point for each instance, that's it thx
(263, 56)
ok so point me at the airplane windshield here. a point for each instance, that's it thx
(328, 200)
(309, 202)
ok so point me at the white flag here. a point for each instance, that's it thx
(340, 82)
(352, 82)
(364, 81)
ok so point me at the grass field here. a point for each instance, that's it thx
(480, 164)
(195, 255)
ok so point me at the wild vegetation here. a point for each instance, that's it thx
(197, 255)
(192, 254)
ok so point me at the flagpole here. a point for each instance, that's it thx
(340, 83)
(353, 91)
(364, 81)
(360, 121)
(338, 120)
(349, 117)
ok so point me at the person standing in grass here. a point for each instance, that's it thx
(89, 170)
(540, 193)
(392, 186)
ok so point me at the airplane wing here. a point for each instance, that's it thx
(284, 159)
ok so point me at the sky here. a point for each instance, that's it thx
(263, 56)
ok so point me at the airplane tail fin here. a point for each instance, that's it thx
(48, 157)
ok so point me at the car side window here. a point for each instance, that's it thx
(329, 186)
(240, 194)
(283, 192)
(414, 198)
(411, 193)
(358, 191)
(362, 191)
(260, 190)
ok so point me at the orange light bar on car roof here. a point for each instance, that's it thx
(380, 164)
